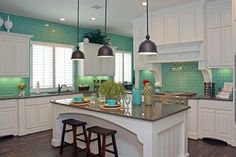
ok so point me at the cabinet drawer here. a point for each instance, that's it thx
(8, 103)
(218, 105)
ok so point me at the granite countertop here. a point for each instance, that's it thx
(44, 94)
(209, 98)
(148, 113)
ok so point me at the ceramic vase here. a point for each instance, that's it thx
(22, 93)
(148, 94)
(8, 24)
(1, 22)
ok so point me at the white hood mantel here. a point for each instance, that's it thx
(179, 52)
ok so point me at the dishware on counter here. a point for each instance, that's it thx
(111, 102)
(8, 24)
(78, 99)
(83, 87)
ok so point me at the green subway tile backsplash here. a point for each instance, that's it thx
(219, 76)
(182, 77)
(8, 85)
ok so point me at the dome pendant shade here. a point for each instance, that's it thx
(147, 48)
(77, 55)
(105, 51)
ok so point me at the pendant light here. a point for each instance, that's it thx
(77, 54)
(147, 47)
(105, 50)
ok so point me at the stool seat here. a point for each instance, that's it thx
(101, 131)
(73, 122)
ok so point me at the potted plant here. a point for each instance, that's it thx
(112, 91)
(96, 37)
(21, 86)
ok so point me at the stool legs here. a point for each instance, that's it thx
(74, 138)
(62, 138)
(114, 145)
(99, 145)
(87, 151)
(103, 145)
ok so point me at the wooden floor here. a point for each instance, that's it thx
(39, 145)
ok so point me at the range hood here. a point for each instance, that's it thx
(179, 52)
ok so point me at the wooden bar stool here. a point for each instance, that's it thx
(101, 132)
(74, 124)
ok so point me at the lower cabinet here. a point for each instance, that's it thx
(35, 114)
(8, 117)
(215, 119)
(193, 119)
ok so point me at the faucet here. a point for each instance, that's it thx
(60, 87)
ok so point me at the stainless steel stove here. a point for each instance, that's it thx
(178, 98)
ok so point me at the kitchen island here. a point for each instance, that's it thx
(142, 131)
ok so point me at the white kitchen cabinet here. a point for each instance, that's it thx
(172, 28)
(215, 119)
(14, 54)
(8, 117)
(93, 65)
(188, 25)
(158, 29)
(219, 36)
(234, 24)
(193, 119)
(207, 122)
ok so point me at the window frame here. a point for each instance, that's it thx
(54, 66)
(123, 67)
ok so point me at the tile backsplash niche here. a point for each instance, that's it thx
(8, 85)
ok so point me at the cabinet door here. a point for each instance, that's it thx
(6, 57)
(227, 46)
(32, 119)
(8, 121)
(108, 66)
(158, 29)
(91, 62)
(207, 121)
(223, 123)
(214, 17)
(21, 53)
(226, 15)
(193, 119)
(234, 10)
(45, 114)
(187, 26)
(172, 28)
(214, 47)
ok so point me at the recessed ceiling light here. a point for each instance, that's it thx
(46, 25)
(62, 19)
(53, 30)
(93, 18)
(144, 3)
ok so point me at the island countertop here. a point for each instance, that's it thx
(148, 113)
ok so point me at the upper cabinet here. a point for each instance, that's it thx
(234, 24)
(14, 54)
(178, 24)
(219, 34)
(93, 65)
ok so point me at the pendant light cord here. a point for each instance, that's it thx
(78, 26)
(106, 42)
(148, 36)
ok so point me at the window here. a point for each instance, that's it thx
(123, 69)
(51, 65)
